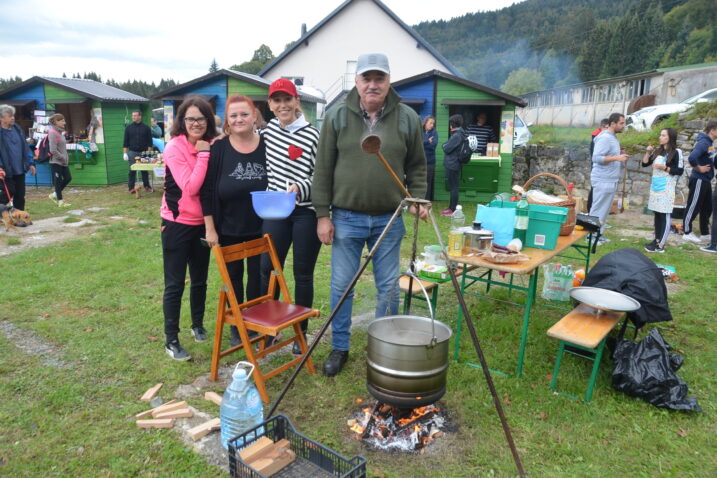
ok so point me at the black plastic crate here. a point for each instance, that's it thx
(312, 458)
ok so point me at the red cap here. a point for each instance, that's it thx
(283, 85)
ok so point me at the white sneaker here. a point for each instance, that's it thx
(706, 238)
(692, 237)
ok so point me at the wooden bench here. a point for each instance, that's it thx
(585, 330)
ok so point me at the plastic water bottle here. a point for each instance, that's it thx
(241, 407)
(521, 218)
(455, 237)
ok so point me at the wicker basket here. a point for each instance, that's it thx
(567, 228)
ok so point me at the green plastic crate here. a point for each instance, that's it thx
(544, 226)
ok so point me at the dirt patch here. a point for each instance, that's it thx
(44, 232)
(31, 344)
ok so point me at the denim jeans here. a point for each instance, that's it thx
(353, 230)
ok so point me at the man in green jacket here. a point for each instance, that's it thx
(360, 195)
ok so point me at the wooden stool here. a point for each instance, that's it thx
(417, 293)
(585, 331)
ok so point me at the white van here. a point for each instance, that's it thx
(521, 133)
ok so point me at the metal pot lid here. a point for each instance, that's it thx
(604, 299)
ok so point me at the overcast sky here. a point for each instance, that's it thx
(150, 40)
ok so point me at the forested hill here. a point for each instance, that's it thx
(569, 41)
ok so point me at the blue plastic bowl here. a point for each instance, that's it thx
(273, 204)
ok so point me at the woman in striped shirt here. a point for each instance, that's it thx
(291, 144)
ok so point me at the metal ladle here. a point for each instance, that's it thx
(371, 144)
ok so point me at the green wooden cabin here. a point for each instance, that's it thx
(216, 87)
(79, 101)
(442, 95)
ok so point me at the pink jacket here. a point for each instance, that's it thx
(184, 174)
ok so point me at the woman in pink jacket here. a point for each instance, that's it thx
(186, 157)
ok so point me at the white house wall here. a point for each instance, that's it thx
(361, 27)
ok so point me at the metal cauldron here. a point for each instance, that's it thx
(407, 359)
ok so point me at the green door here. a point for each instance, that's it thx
(479, 176)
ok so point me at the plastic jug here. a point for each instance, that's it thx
(455, 237)
(241, 407)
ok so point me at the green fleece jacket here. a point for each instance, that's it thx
(347, 178)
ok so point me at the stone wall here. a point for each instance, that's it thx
(573, 165)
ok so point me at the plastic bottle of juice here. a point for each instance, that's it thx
(521, 218)
(455, 237)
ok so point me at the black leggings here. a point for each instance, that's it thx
(662, 227)
(453, 178)
(61, 177)
(236, 270)
(699, 201)
(16, 188)
(713, 233)
(299, 228)
(181, 249)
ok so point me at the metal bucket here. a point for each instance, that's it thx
(407, 357)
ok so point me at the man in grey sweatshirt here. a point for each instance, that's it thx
(607, 167)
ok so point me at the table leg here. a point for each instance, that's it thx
(533, 285)
(457, 343)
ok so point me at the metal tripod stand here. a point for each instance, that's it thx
(407, 202)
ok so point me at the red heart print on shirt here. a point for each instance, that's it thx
(294, 152)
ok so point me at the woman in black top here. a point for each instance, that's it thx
(237, 166)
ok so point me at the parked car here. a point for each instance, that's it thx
(521, 133)
(648, 117)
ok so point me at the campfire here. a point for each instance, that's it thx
(387, 427)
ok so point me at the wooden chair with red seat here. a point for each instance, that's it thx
(264, 315)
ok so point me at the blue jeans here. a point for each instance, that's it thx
(353, 230)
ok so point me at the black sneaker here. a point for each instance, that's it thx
(654, 247)
(335, 362)
(711, 248)
(176, 351)
(200, 335)
(296, 349)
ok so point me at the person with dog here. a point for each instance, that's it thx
(137, 140)
(360, 194)
(667, 166)
(59, 159)
(186, 158)
(699, 198)
(15, 160)
(291, 144)
(237, 166)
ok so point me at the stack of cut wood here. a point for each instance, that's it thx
(268, 457)
(163, 416)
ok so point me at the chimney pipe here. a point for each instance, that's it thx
(303, 29)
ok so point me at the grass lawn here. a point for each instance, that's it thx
(97, 300)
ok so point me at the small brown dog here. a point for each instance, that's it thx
(12, 216)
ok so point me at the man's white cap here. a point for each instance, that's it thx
(372, 62)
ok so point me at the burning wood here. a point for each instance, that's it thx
(388, 427)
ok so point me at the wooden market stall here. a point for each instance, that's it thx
(96, 117)
(216, 87)
(441, 95)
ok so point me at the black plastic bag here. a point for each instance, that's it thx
(647, 370)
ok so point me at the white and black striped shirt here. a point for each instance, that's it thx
(484, 134)
(291, 157)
